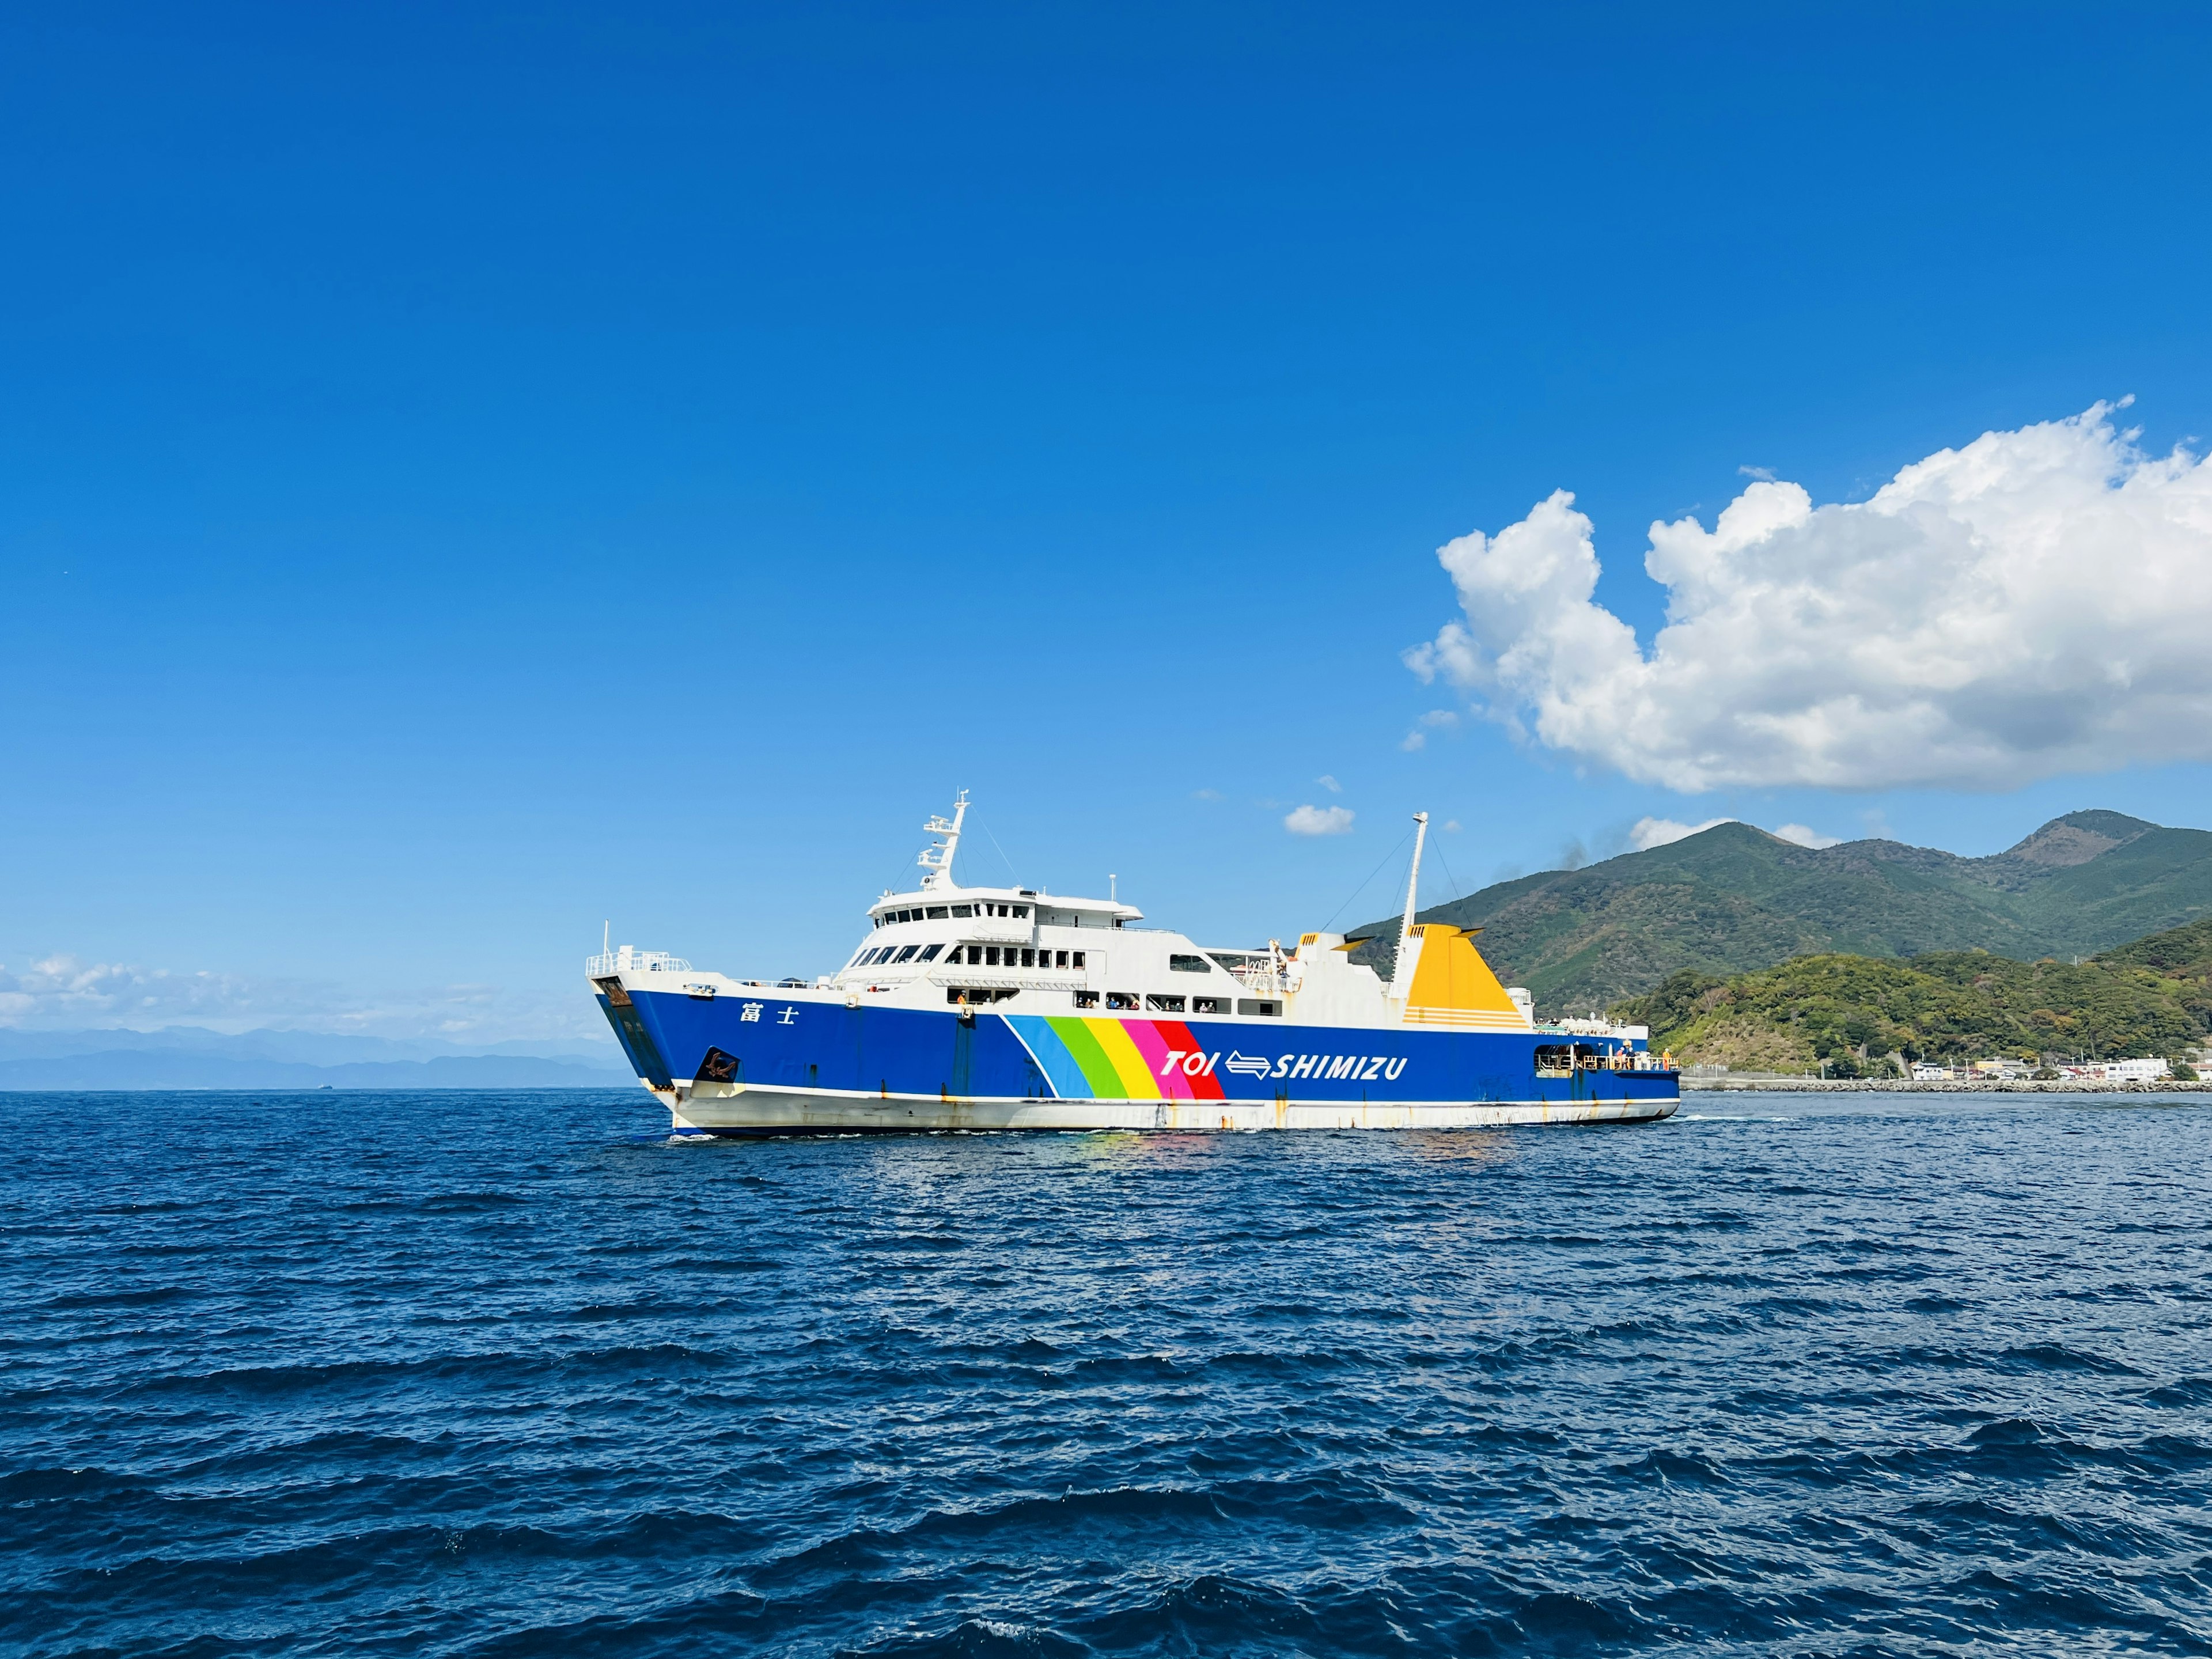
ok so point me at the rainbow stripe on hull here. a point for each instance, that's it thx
(1118, 1058)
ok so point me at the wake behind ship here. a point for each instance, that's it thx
(1013, 1008)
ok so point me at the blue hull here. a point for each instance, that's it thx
(782, 1046)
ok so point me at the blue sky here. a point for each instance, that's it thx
(465, 476)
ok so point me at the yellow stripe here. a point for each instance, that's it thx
(1128, 1065)
(1481, 1018)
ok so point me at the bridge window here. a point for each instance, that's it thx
(964, 910)
(929, 952)
(938, 913)
(904, 954)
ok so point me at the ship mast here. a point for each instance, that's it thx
(1398, 979)
(937, 857)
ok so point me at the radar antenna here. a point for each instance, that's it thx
(937, 857)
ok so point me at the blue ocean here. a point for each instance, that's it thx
(514, 1374)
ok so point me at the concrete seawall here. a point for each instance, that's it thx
(1747, 1083)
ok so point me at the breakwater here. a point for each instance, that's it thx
(1755, 1083)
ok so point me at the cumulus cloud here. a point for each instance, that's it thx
(2037, 602)
(1807, 837)
(1319, 821)
(1329, 784)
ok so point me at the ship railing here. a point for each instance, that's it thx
(1260, 982)
(628, 961)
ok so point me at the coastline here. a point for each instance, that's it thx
(1750, 1084)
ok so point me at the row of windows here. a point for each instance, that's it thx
(1127, 1001)
(946, 911)
(993, 956)
(896, 953)
(976, 955)
(1160, 1003)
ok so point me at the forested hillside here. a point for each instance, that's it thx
(2151, 997)
(1734, 899)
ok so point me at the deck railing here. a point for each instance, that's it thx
(629, 961)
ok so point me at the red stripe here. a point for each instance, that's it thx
(1176, 1035)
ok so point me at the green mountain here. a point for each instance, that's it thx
(1735, 900)
(2152, 997)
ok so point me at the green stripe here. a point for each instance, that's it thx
(1105, 1082)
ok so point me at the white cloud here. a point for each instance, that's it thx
(2038, 602)
(1435, 718)
(1319, 821)
(1649, 833)
(1329, 784)
(60, 993)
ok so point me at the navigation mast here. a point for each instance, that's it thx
(1413, 893)
(937, 857)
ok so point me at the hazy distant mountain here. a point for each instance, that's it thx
(185, 1057)
(1734, 899)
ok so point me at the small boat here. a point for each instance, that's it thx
(988, 1008)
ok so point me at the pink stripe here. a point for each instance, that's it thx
(1146, 1036)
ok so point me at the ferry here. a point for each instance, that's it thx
(993, 1008)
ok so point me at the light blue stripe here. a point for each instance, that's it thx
(1051, 1055)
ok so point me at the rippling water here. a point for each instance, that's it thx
(512, 1374)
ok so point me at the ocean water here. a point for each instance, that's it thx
(511, 1374)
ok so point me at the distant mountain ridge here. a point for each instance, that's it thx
(1734, 899)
